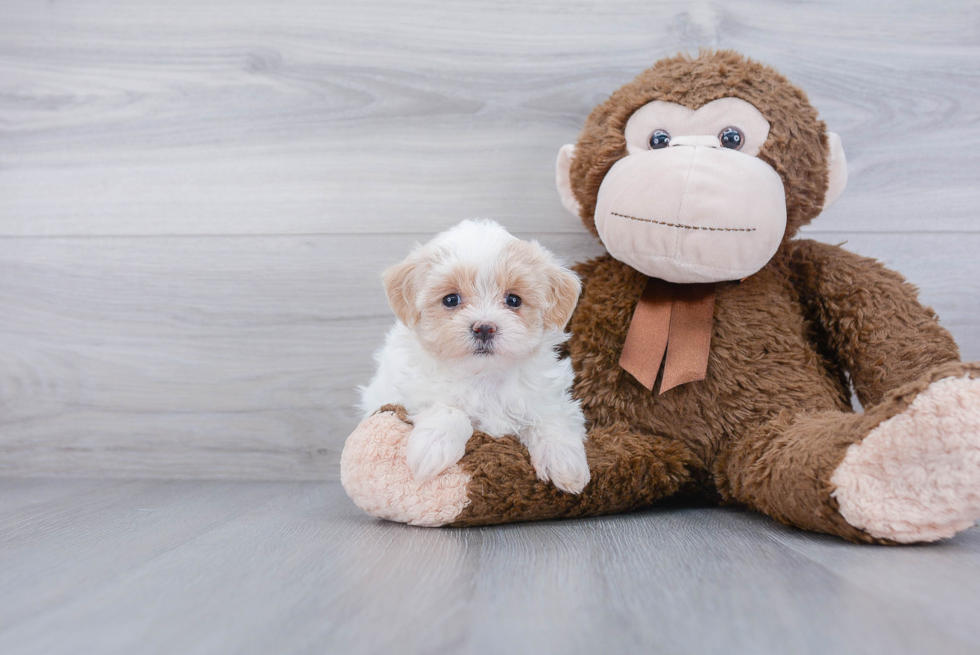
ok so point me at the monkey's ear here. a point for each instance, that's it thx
(563, 168)
(402, 283)
(565, 290)
(836, 169)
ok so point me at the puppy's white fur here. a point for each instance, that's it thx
(452, 383)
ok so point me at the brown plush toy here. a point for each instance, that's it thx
(714, 353)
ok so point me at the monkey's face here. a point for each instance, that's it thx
(691, 202)
(686, 197)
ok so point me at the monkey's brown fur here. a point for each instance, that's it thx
(796, 147)
(772, 420)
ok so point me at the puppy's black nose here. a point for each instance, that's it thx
(484, 331)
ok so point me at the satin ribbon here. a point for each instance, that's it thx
(675, 319)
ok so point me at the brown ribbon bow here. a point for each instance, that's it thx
(671, 318)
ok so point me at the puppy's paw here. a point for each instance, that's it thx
(562, 461)
(376, 476)
(431, 451)
(437, 441)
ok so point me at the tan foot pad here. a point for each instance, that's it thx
(916, 477)
(376, 476)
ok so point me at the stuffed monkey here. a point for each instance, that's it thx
(715, 353)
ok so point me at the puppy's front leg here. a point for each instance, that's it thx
(557, 447)
(437, 441)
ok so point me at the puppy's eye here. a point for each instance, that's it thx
(451, 300)
(731, 137)
(513, 301)
(659, 139)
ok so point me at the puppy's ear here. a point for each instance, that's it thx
(402, 283)
(564, 292)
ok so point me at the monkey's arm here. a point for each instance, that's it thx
(871, 318)
(495, 481)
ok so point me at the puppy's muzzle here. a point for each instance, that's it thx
(484, 332)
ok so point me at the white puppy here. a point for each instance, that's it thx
(481, 314)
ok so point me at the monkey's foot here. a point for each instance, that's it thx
(375, 473)
(916, 476)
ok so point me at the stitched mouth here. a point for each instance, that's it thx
(685, 227)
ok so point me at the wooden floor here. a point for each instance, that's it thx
(292, 567)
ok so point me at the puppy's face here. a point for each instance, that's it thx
(477, 294)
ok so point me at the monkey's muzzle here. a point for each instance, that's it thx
(693, 212)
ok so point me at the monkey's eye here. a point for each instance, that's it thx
(513, 301)
(451, 300)
(659, 139)
(731, 137)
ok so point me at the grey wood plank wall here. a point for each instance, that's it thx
(196, 199)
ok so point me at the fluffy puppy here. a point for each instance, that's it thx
(481, 314)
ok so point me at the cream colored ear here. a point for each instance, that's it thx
(563, 169)
(565, 290)
(402, 283)
(836, 169)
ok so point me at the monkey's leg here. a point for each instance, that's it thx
(495, 481)
(907, 470)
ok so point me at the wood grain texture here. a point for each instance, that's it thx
(257, 116)
(286, 567)
(239, 357)
(196, 199)
(191, 357)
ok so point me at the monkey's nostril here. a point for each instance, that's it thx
(484, 331)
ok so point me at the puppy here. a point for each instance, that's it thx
(481, 314)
